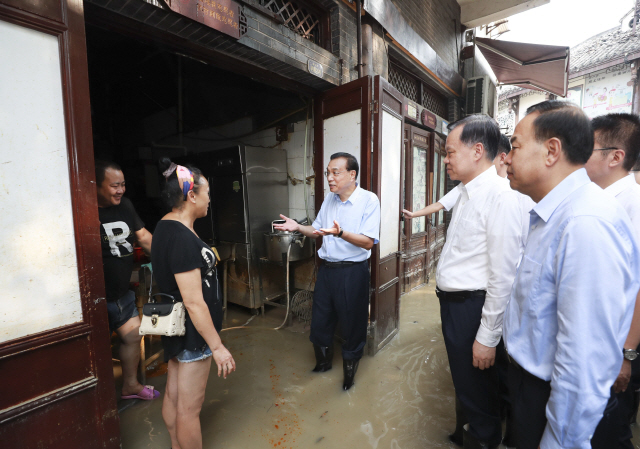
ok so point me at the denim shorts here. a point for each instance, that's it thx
(122, 310)
(186, 356)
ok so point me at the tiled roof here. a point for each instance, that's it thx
(601, 48)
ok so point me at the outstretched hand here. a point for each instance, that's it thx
(407, 213)
(335, 230)
(288, 225)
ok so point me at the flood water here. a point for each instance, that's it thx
(403, 397)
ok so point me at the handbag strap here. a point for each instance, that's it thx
(163, 294)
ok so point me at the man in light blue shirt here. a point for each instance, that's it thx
(349, 221)
(574, 293)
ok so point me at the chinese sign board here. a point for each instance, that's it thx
(221, 15)
(315, 68)
(607, 91)
(429, 119)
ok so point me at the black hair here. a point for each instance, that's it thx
(482, 129)
(569, 124)
(620, 131)
(505, 144)
(352, 162)
(172, 191)
(101, 167)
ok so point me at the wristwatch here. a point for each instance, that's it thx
(340, 233)
(630, 354)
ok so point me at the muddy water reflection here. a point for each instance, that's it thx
(402, 399)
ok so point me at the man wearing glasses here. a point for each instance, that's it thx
(349, 221)
(615, 152)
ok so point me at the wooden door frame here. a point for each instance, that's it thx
(383, 90)
(64, 19)
(409, 173)
(340, 100)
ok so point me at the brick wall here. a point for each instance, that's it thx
(433, 21)
(344, 39)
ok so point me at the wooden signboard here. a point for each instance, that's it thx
(221, 15)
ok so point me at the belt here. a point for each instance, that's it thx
(520, 368)
(459, 296)
(341, 264)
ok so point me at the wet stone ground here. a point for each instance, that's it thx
(402, 399)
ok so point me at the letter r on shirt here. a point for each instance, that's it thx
(120, 239)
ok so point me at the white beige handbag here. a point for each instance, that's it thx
(162, 318)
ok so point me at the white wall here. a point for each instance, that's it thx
(529, 99)
(38, 264)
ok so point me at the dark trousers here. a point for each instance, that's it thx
(477, 389)
(529, 396)
(615, 423)
(341, 295)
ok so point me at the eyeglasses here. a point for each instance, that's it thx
(335, 174)
(603, 149)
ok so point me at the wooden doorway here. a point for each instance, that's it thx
(364, 118)
(55, 360)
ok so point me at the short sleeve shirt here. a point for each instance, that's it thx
(360, 214)
(175, 249)
(118, 225)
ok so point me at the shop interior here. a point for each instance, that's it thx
(251, 140)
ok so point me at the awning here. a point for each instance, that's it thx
(532, 66)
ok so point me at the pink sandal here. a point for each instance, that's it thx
(148, 393)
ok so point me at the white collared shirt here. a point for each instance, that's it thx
(627, 192)
(526, 204)
(483, 248)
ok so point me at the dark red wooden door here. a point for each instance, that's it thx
(347, 118)
(55, 361)
(387, 182)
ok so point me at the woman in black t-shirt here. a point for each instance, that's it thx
(185, 268)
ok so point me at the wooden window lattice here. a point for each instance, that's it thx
(406, 85)
(296, 17)
(410, 87)
(434, 103)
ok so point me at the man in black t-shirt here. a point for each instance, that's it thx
(120, 228)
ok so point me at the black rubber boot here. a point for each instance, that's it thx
(324, 358)
(461, 420)
(469, 442)
(349, 367)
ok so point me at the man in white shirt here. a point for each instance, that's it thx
(615, 152)
(451, 198)
(573, 297)
(475, 273)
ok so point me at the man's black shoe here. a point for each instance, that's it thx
(472, 443)
(456, 437)
(461, 420)
(349, 367)
(324, 358)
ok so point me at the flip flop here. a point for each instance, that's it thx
(148, 393)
